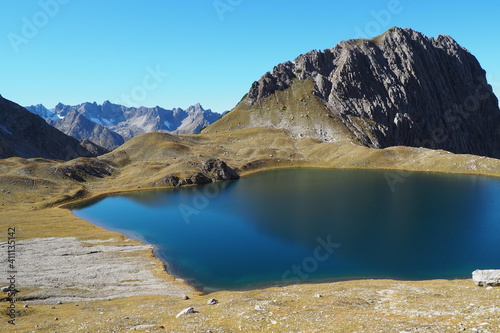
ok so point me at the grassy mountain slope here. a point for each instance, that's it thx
(296, 109)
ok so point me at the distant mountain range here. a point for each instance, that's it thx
(24, 134)
(110, 125)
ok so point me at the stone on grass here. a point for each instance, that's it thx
(212, 301)
(487, 277)
(185, 311)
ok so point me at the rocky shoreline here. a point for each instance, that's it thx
(61, 270)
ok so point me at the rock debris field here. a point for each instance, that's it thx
(70, 270)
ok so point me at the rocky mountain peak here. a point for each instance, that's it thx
(60, 106)
(42, 111)
(399, 46)
(80, 127)
(197, 108)
(399, 88)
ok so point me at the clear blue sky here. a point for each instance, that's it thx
(206, 51)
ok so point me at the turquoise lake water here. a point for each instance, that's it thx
(304, 225)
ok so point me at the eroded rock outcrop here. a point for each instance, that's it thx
(218, 170)
(212, 170)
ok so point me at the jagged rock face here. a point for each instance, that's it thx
(196, 118)
(177, 121)
(400, 88)
(43, 112)
(78, 126)
(107, 114)
(24, 134)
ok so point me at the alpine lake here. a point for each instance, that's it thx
(291, 226)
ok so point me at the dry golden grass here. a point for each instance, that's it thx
(30, 186)
(353, 306)
(296, 108)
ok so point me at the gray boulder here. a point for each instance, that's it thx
(488, 277)
(185, 311)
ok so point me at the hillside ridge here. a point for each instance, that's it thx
(26, 135)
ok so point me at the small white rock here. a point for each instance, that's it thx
(185, 311)
(487, 277)
(212, 301)
(259, 308)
